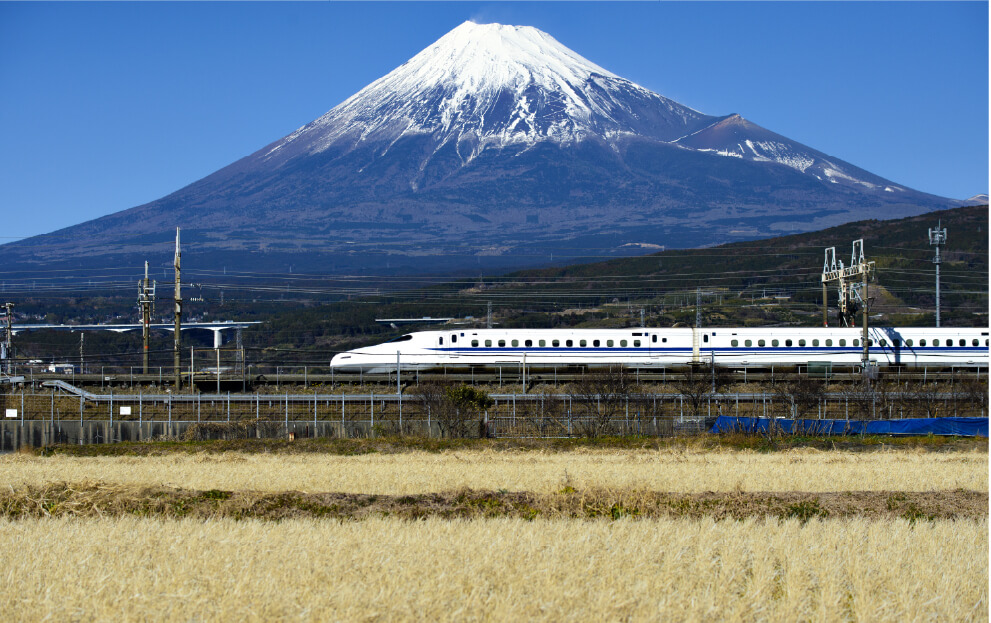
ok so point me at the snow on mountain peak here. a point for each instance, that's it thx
(484, 86)
(496, 85)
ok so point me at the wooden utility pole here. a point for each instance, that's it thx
(8, 341)
(178, 317)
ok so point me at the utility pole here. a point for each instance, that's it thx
(8, 341)
(488, 317)
(146, 298)
(937, 238)
(82, 369)
(178, 317)
(698, 306)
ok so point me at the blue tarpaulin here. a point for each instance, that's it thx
(962, 426)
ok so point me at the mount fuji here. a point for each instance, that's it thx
(495, 147)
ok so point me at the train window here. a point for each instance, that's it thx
(636, 343)
(774, 342)
(569, 343)
(734, 342)
(801, 342)
(515, 343)
(528, 343)
(441, 341)
(787, 342)
(815, 342)
(595, 343)
(622, 343)
(609, 343)
(664, 339)
(935, 342)
(583, 343)
(555, 343)
(705, 338)
(488, 343)
(908, 343)
(985, 342)
(474, 342)
(454, 338)
(870, 342)
(856, 342)
(963, 342)
(975, 342)
(653, 339)
(542, 343)
(829, 342)
(748, 343)
(760, 342)
(884, 342)
(922, 342)
(842, 342)
(502, 343)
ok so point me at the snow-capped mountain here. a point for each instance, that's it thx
(490, 85)
(496, 146)
(495, 86)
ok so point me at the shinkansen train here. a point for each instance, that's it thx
(645, 348)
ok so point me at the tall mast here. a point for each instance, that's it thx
(178, 317)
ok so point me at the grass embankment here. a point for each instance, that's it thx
(393, 444)
(497, 569)
(107, 500)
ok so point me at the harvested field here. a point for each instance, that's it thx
(409, 473)
(102, 500)
(507, 569)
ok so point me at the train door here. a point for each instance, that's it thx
(653, 346)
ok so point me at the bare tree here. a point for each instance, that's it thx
(464, 405)
(546, 414)
(975, 391)
(804, 394)
(598, 398)
(698, 385)
(927, 398)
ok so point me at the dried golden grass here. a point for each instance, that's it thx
(684, 471)
(499, 569)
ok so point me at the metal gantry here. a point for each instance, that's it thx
(852, 284)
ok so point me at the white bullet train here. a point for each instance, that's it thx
(645, 348)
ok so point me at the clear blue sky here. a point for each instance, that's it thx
(110, 105)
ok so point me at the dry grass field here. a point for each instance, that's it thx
(687, 471)
(493, 569)
(615, 534)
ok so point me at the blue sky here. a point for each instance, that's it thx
(110, 105)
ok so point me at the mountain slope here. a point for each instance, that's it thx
(496, 147)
